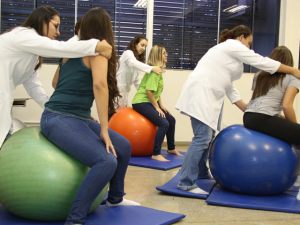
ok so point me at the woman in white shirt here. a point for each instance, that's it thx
(131, 62)
(203, 93)
(21, 51)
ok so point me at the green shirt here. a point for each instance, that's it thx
(152, 82)
(73, 95)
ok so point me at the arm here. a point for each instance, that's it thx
(235, 98)
(55, 78)
(99, 66)
(132, 62)
(249, 57)
(35, 89)
(29, 41)
(154, 103)
(289, 70)
(287, 103)
(241, 105)
(162, 107)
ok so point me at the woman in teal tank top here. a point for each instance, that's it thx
(66, 120)
(147, 102)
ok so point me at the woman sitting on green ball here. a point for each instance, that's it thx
(66, 120)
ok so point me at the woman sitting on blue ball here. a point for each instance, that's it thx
(66, 120)
(271, 95)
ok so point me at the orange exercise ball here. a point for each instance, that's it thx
(137, 129)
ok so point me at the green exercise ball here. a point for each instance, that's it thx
(38, 180)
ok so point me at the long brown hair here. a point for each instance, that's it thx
(264, 80)
(96, 24)
(132, 46)
(235, 32)
(36, 20)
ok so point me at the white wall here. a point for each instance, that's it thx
(174, 79)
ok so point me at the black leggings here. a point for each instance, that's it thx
(274, 126)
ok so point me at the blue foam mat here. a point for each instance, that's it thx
(175, 161)
(285, 202)
(171, 187)
(125, 215)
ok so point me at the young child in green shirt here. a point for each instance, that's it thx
(147, 102)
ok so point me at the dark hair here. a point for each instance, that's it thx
(264, 80)
(132, 46)
(235, 32)
(96, 24)
(77, 26)
(36, 20)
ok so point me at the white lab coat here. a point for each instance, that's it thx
(203, 93)
(36, 91)
(19, 51)
(128, 74)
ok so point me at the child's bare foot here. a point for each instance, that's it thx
(175, 152)
(159, 158)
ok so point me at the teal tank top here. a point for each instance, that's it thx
(73, 95)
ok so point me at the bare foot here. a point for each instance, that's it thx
(159, 158)
(175, 152)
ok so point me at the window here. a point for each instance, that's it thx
(14, 13)
(128, 22)
(187, 28)
(66, 10)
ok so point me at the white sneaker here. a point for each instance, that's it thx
(123, 203)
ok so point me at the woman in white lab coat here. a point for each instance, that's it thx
(131, 62)
(21, 51)
(203, 94)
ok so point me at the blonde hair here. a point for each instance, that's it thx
(156, 56)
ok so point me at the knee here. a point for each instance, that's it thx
(110, 161)
(202, 141)
(164, 124)
(126, 146)
(172, 120)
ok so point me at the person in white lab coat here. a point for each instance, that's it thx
(203, 93)
(131, 62)
(21, 51)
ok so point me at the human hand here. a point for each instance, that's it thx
(93, 118)
(106, 139)
(165, 110)
(158, 70)
(160, 112)
(104, 49)
(296, 73)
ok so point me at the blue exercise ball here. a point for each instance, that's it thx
(249, 162)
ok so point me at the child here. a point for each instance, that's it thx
(147, 102)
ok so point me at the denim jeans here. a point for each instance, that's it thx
(166, 126)
(194, 163)
(81, 139)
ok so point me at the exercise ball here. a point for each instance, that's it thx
(137, 129)
(38, 180)
(249, 162)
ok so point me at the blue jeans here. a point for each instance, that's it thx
(166, 126)
(194, 163)
(81, 139)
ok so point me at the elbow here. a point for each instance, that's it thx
(99, 86)
(287, 107)
(54, 84)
